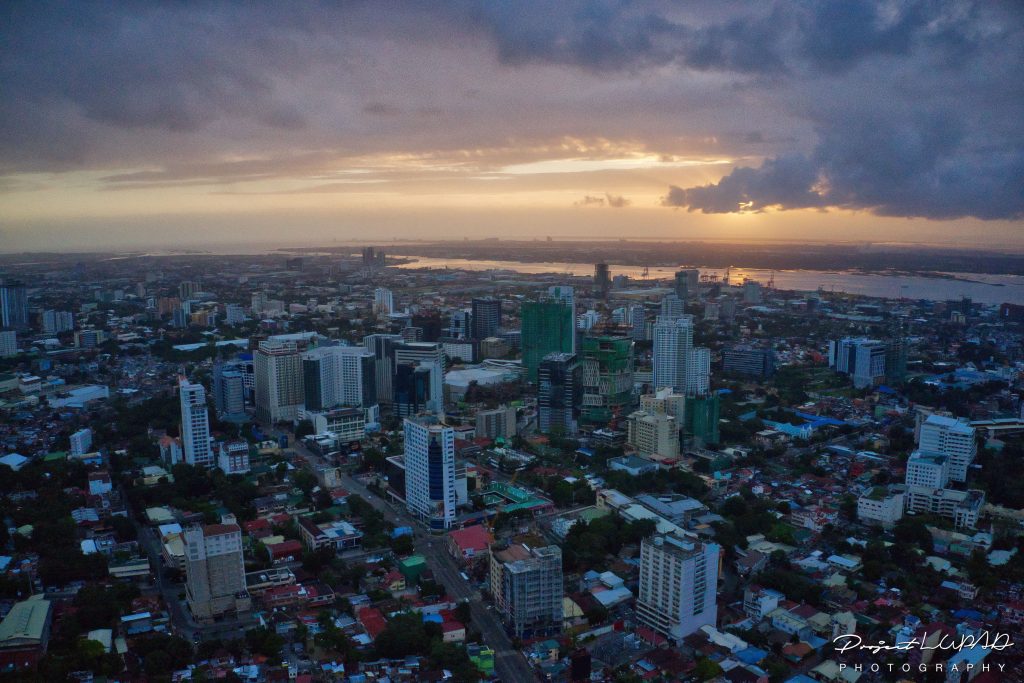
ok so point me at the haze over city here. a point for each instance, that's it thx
(178, 125)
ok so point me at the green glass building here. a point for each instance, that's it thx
(702, 414)
(607, 378)
(547, 327)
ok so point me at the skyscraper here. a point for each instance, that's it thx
(54, 322)
(14, 305)
(698, 371)
(678, 585)
(486, 317)
(430, 472)
(672, 307)
(673, 342)
(383, 301)
(214, 571)
(383, 348)
(419, 388)
(548, 326)
(637, 322)
(559, 388)
(687, 281)
(527, 587)
(195, 424)
(602, 279)
(229, 391)
(339, 376)
(278, 377)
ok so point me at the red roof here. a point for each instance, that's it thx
(476, 538)
(285, 548)
(372, 620)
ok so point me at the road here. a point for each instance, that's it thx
(509, 663)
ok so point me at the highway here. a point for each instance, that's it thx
(510, 664)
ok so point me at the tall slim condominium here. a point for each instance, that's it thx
(528, 591)
(678, 585)
(214, 570)
(195, 424)
(278, 376)
(57, 321)
(14, 305)
(637, 322)
(673, 342)
(687, 281)
(952, 438)
(383, 348)
(602, 279)
(187, 289)
(559, 388)
(339, 376)
(548, 326)
(383, 301)
(430, 472)
(698, 371)
(486, 317)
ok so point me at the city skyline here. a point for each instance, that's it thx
(201, 126)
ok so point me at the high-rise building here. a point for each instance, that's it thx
(930, 470)
(862, 359)
(653, 435)
(602, 279)
(486, 317)
(528, 589)
(187, 289)
(698, 371)
(678, 585)
(666, 401)
(495, 423)
(418, 388)
(420, 352)
(748, 361)
(687, 282)
(383, 301)
(8, 343)
(339, 376)
(258, 303)
(751, 292)
(229, 391)
(383, 348)
(429, 322)
(607, 379)
(896, 360)
(461, 326)
(278, 378)
(214, 571)
(14, 305)
(672, 307)
(430, 472)
(548, 326)
(702, 415)
(637, 322)
(673, 342)
(953, 438)
(54, 322)
(234, 314)
(559, 390)
(195, 424)
(81, 442)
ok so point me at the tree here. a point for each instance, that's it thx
(304, 428)
(706, 669)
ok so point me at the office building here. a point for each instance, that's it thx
(214, 571)
(339, 376)
(229, 391)
(953, 438)
(14, 305)
(461, 325)
(862, 359)
(678, 585)
(495, 423)
(81, 442)
(673, 342)
(195, 424)
(653, 435)
(418, 388)
(383, 348)
(486, 317)
(748, 361)
(559, 391)
(607, 379)
(55, 322)
(430, 472)
(672, 307)
(8, 343)
(526, 584)
(278, 378)
(383, 301)
(548, 326)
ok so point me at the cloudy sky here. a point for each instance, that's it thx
(184, 123)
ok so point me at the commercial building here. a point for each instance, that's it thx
(953, 438)
(383, 348)
(607, 379)
(527, 587)
(678, 585)
(418, 388)
(548, 326)
(195, 424)
(665, 401)
(430, 491)
(25, 633)
(233, 456)
(495, 423)
(653, 435)
(229, 391)
(862, 359)
(214, 571)
(278, 376)
(486, 317)
(748, 361)
(559, 393)
(673, 342)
